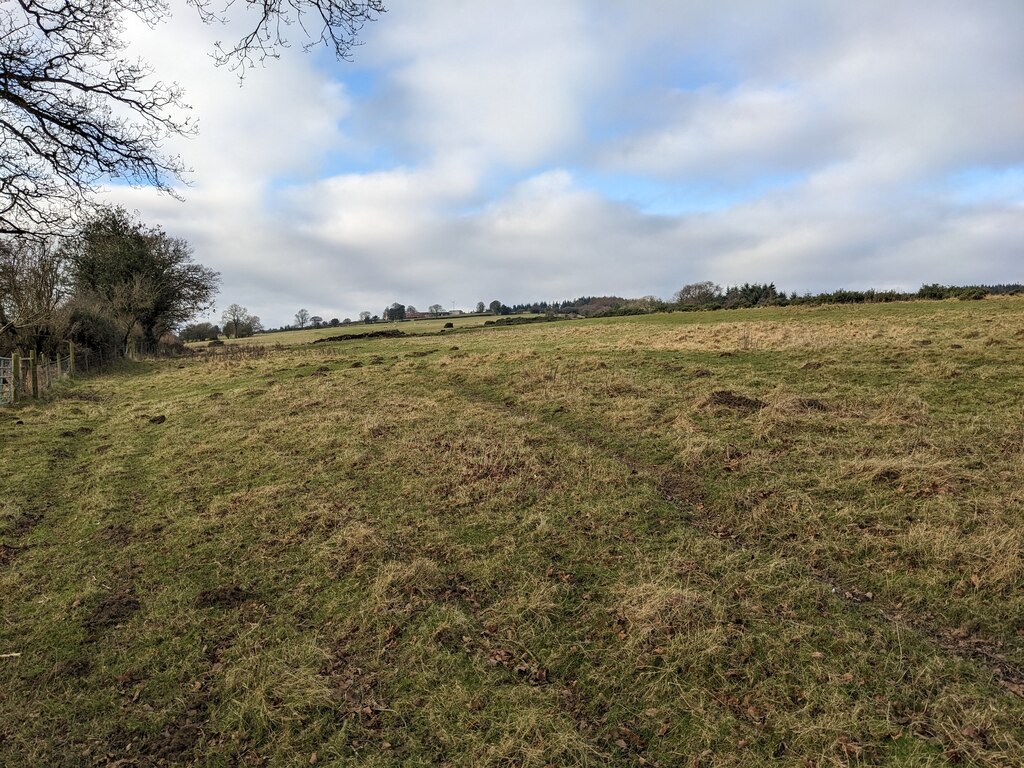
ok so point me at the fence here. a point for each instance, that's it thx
(22, 377)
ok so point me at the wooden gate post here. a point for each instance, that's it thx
(33, 368)
(15, 375)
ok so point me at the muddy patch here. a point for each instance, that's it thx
(111, 610)
(701, 373)
(227, 596)
(69, 669)
(812, 365)
(7, 553)
(115, 534)
(158, 419)
(22, 524)
(724, 398)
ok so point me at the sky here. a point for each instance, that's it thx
(479, 150)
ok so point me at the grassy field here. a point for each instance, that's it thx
(781, 536)
(411, 327)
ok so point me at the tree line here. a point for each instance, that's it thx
(707, 295)
(113, 285)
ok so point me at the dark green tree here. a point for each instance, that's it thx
(146, 278)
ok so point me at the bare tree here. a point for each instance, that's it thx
(302, 317)
(75, 112)
(238, 323)
(699, 294)
(33, 285)
(435, 309)
(316, 321)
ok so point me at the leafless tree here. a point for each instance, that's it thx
(238, 323)
(302, 317)
(74, 112)
(33, 285)
(698, 294)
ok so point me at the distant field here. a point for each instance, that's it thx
(306, 335)
(757, 537)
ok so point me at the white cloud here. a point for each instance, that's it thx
(861, 144)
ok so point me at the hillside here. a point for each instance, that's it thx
(788, 535)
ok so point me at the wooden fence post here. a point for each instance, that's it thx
(33, 368)
(71, 358)
(15, 375)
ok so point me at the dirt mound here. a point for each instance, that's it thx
(811, 365)
(115, 534)
(112, 610)
(7, 553)
(701, 373)
(227, 596)
(74, 668)
(727, 399)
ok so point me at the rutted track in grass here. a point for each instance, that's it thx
(685, 493)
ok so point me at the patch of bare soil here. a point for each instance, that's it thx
(112, 610)
(115, 534)
(701, 373)
(66, 669)
(812, 365)
(23, 524)
(175, 741)
(7, 553)
(226, 596)
(727, 399)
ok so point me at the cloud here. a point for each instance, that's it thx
(817, 145)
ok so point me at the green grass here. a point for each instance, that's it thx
(537, 545)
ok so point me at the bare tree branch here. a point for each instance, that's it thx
(75, 114)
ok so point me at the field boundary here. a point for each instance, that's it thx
(22, 377)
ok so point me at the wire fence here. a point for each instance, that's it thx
(22, 377)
